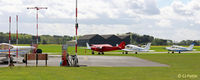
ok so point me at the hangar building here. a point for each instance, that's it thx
(103, 39)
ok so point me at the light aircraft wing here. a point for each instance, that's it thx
(129, 50)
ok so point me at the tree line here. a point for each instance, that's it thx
(29, 39)
(144, 39)
(55, 39)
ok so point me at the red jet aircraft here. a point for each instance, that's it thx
(101, 48)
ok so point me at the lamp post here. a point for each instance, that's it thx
(37, 9)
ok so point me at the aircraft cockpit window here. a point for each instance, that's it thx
(128, 47)
(5, 47)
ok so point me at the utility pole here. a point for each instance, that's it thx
(37, 9)
(76, 27)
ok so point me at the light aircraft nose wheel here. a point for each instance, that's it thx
(99, 53)
(136, 53)
(103, 53)
(172, 51)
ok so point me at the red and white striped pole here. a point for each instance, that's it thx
(9, 59)
(37, 8)
(76, 26)
(17, 35)
(37, 24)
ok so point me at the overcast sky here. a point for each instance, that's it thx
(168, 19)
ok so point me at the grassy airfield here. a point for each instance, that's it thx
(180, 64)
(182, 67)
(56, 49)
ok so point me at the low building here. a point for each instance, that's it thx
(91, 39)
(103, 39)
(125, 38)
(111, 39)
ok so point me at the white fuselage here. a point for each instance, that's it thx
(4, 49)
(177, 48)
(134, 48)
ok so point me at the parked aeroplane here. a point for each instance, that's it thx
(4, 50)
(136, 49)
(101, 48)
(176, 48)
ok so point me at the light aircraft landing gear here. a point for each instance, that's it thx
(92, 52)
(126, 52)
(173, 52)
(99, 53)
(136, 53)
(24, 61)
(179, 52)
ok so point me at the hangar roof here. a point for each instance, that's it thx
(107, 36)
(122, 36)
(89, 36)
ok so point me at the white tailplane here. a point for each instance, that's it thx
(191, 46)
(88, 46)
(148, 46)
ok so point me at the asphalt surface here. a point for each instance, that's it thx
(98, 61)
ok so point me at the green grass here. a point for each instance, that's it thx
(158, 48)
(179, 64)
(56, 49)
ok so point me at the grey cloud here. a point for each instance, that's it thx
(179, 8)
(147, 7)
(151, 8)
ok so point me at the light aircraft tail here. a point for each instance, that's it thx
(88, 46)
(191, 46)
(122, 45)
(148, 46)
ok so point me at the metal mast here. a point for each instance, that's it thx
(76, 26)
(37, 8)
(9, 58)
(17, 35)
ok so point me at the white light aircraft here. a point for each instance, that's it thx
(4, 51)
(136, 49)
(176, 48)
